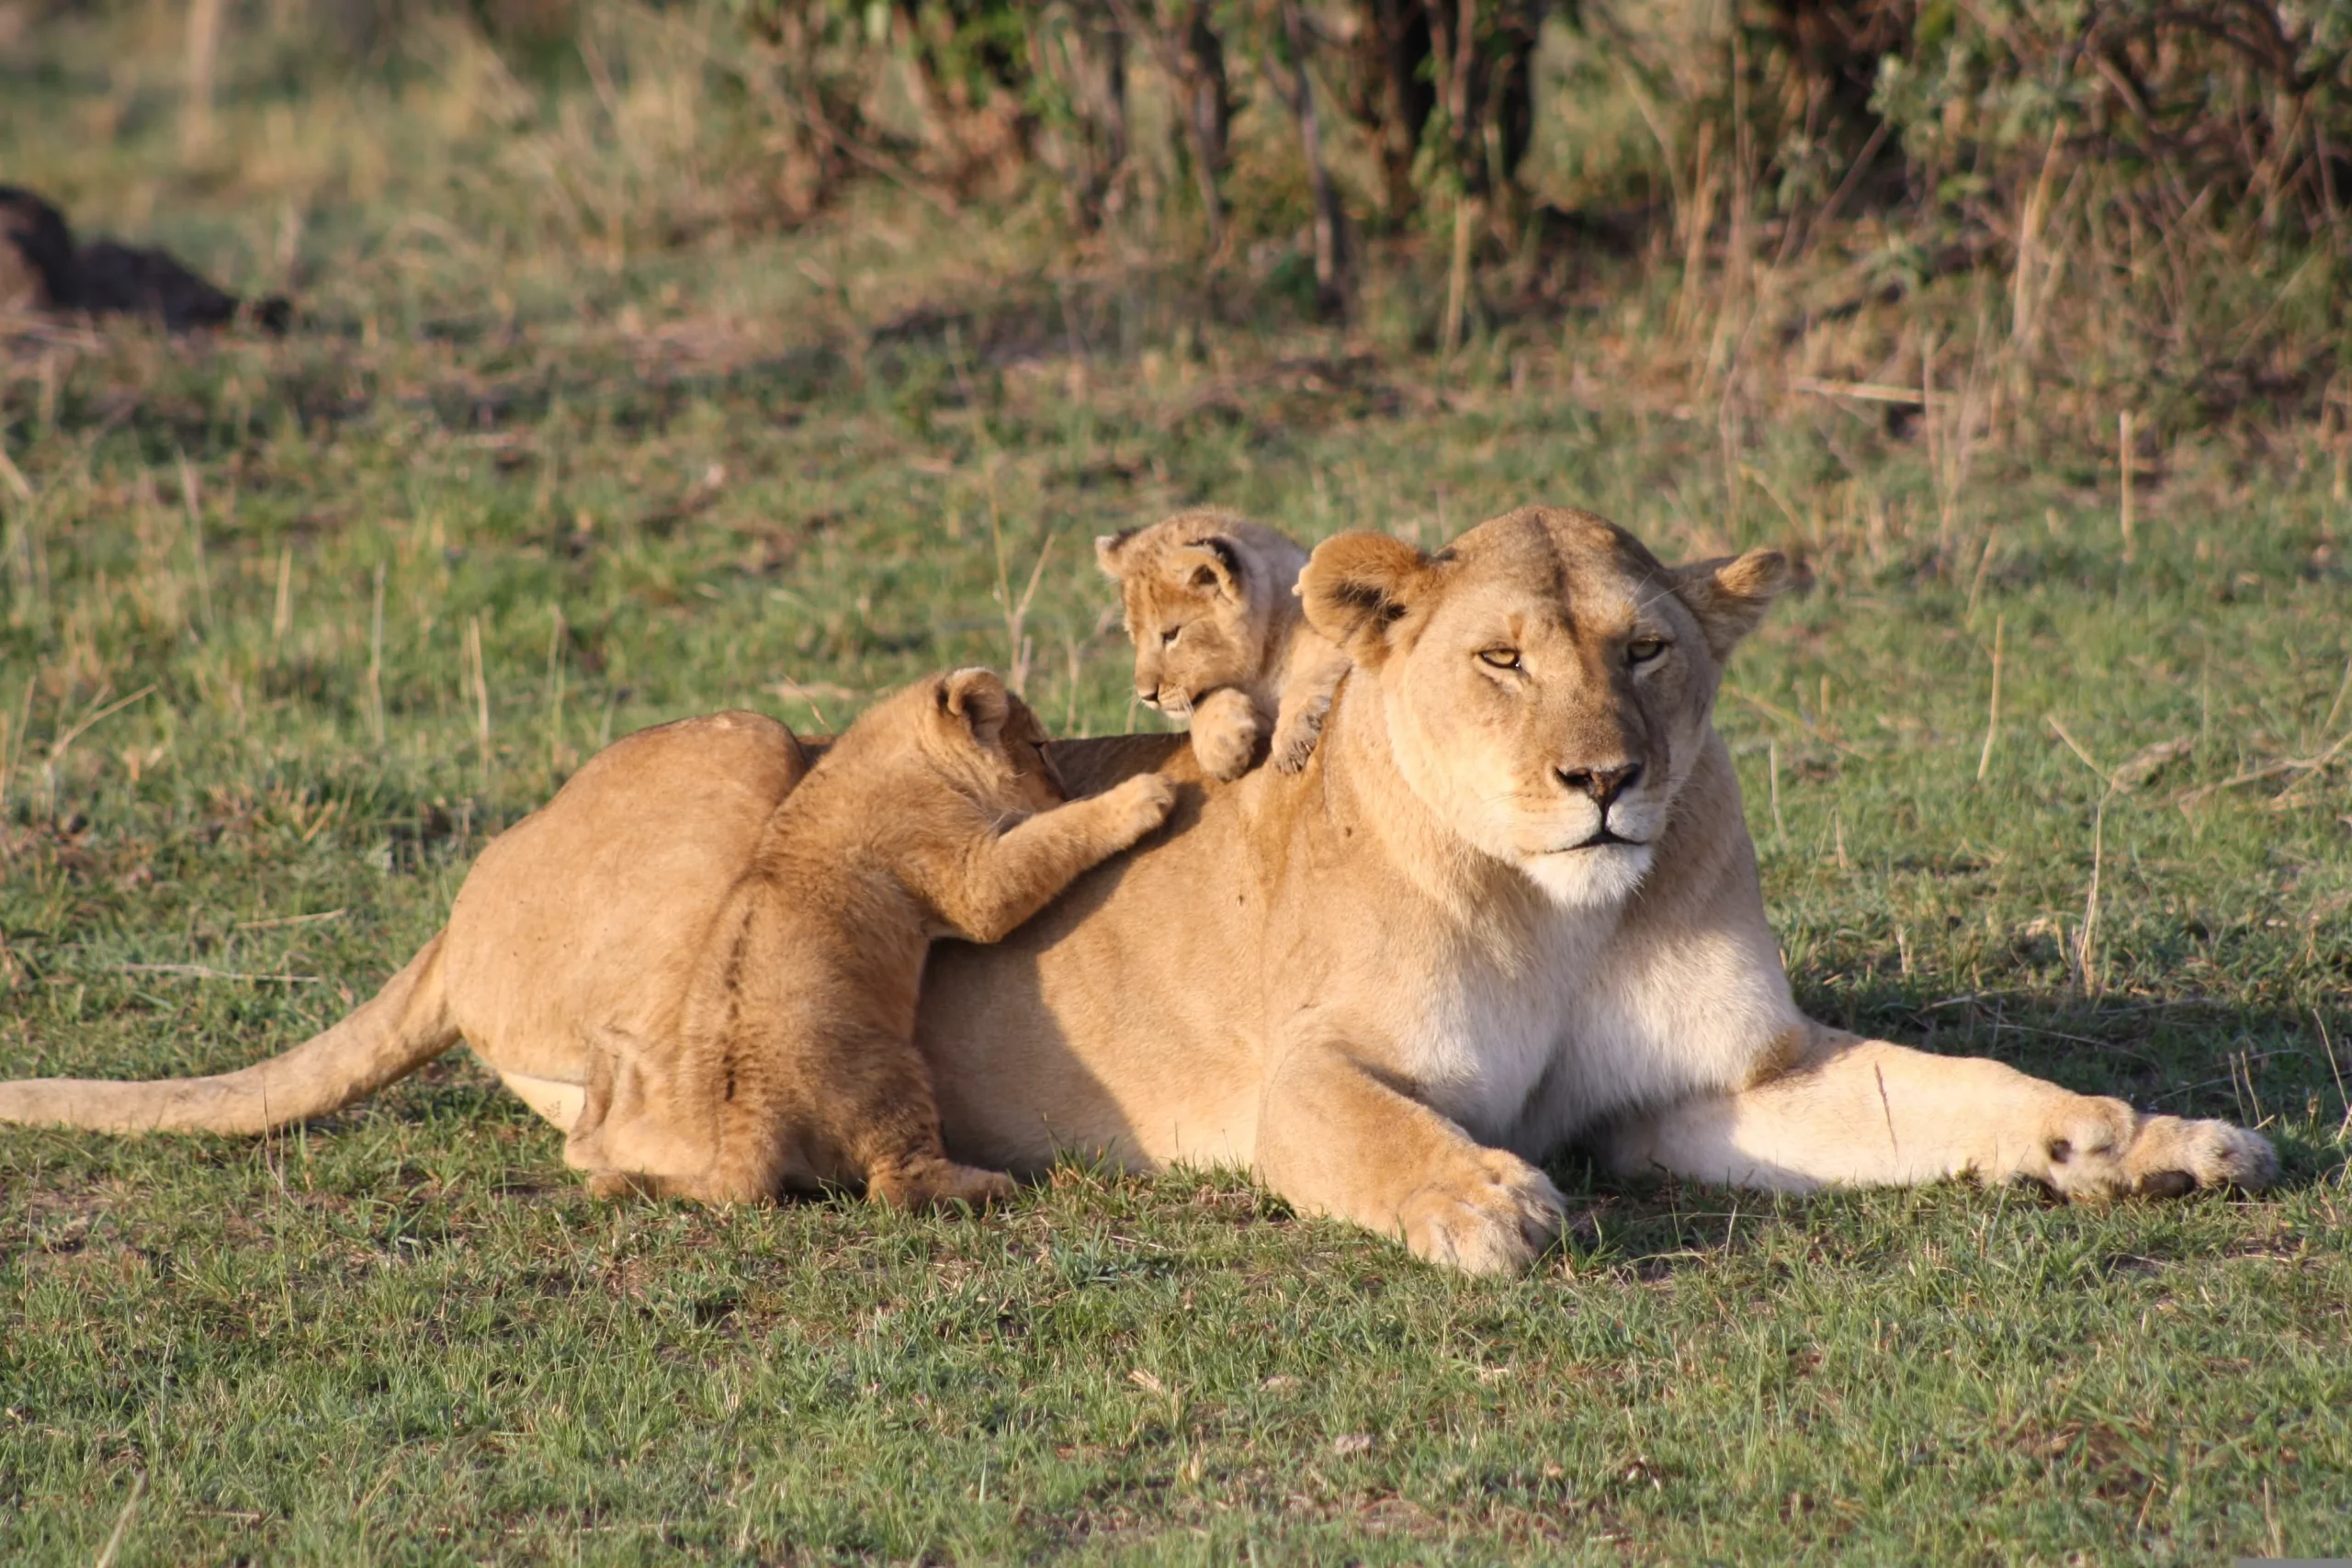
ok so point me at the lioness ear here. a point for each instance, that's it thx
(1358, 589)
(1215, 566)
(979, 699)
(1730, 596)
(1108, 549)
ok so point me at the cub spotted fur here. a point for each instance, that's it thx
(935, 814)
(1220, 638)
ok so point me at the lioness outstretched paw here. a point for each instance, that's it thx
(2105, 1149)
(1494, 1218)
(2172, 1156)
(1225, 733)
(935, 1184)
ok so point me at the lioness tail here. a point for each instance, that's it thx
(403, 1027)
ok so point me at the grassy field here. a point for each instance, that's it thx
(292, 627)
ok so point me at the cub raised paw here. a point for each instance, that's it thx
(1226, 728)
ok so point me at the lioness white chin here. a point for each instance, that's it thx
(1509, 902)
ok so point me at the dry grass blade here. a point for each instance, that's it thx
(1862, 391)
(2149, 760)
(205, 972)
(122, 1522)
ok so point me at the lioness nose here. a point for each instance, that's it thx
(1603, 785)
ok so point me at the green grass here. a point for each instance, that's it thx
(741, 466)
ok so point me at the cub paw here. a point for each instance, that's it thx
(938, 1184)
(1225, 733)
(2105, 1149)
(1295, 742)
(1139, 805)
(610, 1185)
(1495, 1218)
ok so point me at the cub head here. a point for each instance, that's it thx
(987, 742)
(1201, 592)
(1547, 685)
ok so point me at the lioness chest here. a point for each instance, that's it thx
(1522, 1046)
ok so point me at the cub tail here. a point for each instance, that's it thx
(403, 1027)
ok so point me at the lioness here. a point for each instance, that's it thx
(1509, 901)
(1220, 636)
(936, 813)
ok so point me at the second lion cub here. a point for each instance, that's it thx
(935, 814)
(1220, 638)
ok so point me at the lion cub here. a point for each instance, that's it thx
(1220, 638)
(935, 814)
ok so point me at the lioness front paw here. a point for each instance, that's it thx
(2173, 1156)
(1496, 1218)
(1225, 733)
(1138, 805)
(2105, 1149)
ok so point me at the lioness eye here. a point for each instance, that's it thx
(1499, 657)
(1170, 635)
(1641, 651)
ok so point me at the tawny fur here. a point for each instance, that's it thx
(1386, 984)
(935, 815)
(1220, 638)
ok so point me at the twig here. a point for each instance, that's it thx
(2072, 745)
(281, 615)
(200, 972)
(192, 495)
(2086, 947)
(122, 1521)
(1796, 719)
(2343, 690)
(14, 477)
(1993, 708)
(1867, 391)
(1458, 279)
(2123, 449)
(290, 920)
(74, 732)
(1983, 565)
(376, 661)
(481, 689)
(2268, 769)
(2329, 1047)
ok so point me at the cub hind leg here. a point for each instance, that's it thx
(879, 1113)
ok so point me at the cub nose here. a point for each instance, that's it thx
(1603, 785)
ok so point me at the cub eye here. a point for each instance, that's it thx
(1641, 651)
(1170, 635)
(1499, 657)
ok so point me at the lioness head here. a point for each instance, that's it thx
(1201, 592)
(1547, 683)
(987, 742)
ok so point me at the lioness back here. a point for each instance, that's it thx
(794, 1064)
(1219, 637)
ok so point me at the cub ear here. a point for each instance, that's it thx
(1358, 590)
(1213, 566)
(977, 698)
(1731, 594)
(1109, 548)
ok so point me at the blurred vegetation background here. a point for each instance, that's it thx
(2029, 202)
